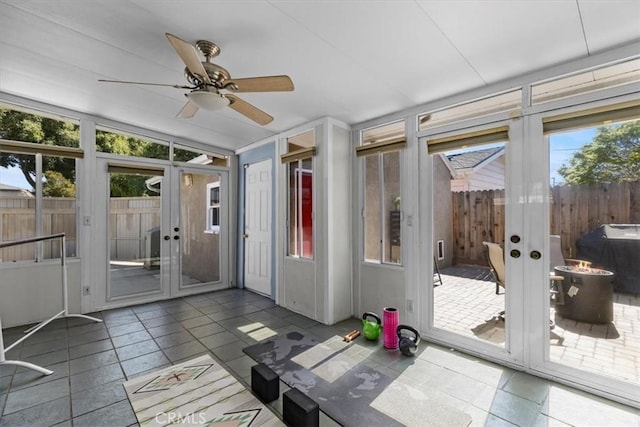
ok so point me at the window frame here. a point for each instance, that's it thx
(211, 227)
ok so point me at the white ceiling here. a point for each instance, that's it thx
(352, 60)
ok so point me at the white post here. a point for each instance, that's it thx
(63, 263)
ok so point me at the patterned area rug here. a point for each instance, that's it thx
(348, 387)
(197, 392)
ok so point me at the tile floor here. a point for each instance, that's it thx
(91, 360)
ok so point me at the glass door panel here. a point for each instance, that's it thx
(135, 249)
(594, 217)
(469, 215)
(201, 228)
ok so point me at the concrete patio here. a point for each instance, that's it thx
(466, 304)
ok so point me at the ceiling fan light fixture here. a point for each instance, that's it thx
(207, 100)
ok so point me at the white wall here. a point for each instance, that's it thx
(32, 292)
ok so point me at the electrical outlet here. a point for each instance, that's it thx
(86, 290)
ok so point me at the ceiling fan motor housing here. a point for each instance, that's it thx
(216, 73)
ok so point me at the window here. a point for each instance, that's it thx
(500, 103)
(38, 157)
(299, 160)
(213, 208)
(585, 82)
(382, 203)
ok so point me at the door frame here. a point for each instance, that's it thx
(170, 217)
(513, 352)
(270, 216)
(224, 233)
(538, 223)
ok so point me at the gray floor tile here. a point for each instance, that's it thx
(129, 339)
(146, 308)
(514, 408)
(135, 350)
(167, 329)
(174, 339)
(184, 350)
(195, 322)
(98, 376)
(187, 314)
(91, 327)
(92, 361)
(153, 314)
(158, 321)
(3, 398)
(5, 382)
(222, 315)
(90, 348)
(279, 312)
(97, 397)
(42, 348)
(229, 351)
(43, 336)
(88, 337)
(125, 329)
(117, 414)
(241, 366)
(528, 387)
(44, 414)
(29, 378)
(205, 330)
(216, 340)
(33, 396)
(144, 363)
(121, 320)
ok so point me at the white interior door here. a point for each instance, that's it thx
(257, 231)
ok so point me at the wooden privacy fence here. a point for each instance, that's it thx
(130, 219)
(575, 210)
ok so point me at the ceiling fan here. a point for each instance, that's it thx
(207, 80)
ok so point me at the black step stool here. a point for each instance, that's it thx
(299, 410)
(265, 383)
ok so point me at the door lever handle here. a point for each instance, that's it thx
(245, 235)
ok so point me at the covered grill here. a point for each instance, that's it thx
(615, 247)
(588, 294)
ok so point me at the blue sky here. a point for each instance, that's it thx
(562, 146)
(14, 177)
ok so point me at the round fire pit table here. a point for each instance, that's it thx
(588, 294)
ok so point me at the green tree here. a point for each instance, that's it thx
(60, 172)
(20, 126)
(612, 156)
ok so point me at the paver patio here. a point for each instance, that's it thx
(466, 303)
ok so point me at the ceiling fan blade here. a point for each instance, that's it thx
(248, 110)
(145, 83)
(262, 84)
(189, 56)
(189, 110)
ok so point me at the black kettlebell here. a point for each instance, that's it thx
(408, 344)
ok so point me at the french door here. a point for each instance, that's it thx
(164, 230)
(471, 195)
(576, 324)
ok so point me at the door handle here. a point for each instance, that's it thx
(245, 235)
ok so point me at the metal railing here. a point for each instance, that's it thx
(63, 313)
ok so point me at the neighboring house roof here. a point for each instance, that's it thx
(471, 159)
(11, 191)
